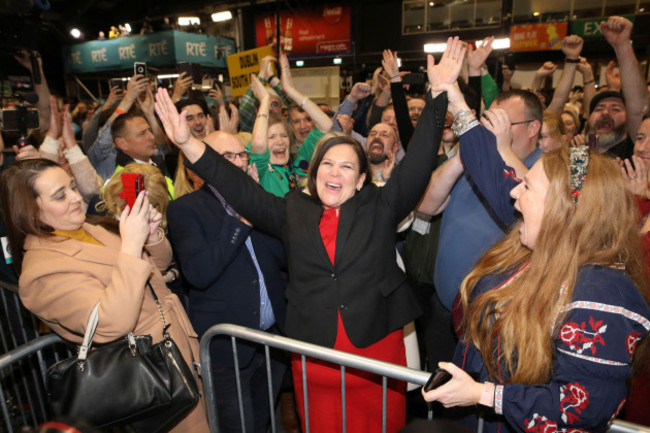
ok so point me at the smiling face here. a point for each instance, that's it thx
(58, 200)
(301, 124)
(569, 124)
(530, 200)
(416, 105)
(642, 142)
(608, 115)
(338, 176)
(279, 143)
(381, 141)
(196, 120)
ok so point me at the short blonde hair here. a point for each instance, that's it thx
(154, 182)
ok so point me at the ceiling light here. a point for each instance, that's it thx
(337, 60)
(221, 16)
(300, 63)
(75, 33)
(127, 26)
(432, 4)
(166, 76)
(535, 14)
(501, 44)
(399, 62)
(187, 21)
(436, 48)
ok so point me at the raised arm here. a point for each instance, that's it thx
(571, 47)
(588, 85)
(617, 31)
(405, 188)
(389, 62)
(259, 143)
(359, 91)
(40, 85)
(544, 71)
(264, 210)
(318, 116)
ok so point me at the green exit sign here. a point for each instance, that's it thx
(590, 28)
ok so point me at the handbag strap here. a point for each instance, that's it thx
(90, 332)
(160, 311)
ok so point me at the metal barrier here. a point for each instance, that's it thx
(17, 325)
(384, 369)
(23, 398)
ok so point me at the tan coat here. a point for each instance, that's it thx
(62, 279)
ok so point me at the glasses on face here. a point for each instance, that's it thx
(231, 156)
(383, 134)
(523, 121)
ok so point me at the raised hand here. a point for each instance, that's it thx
(346, 122)
(446, 72)
(546, 69)
(613, 77)
(359, 91)
(216, 94)
(287, 80)
(234, 119)
(389, 62)
(252, 172)
(114, 95)
(155, 219)
(136, 85)
(636, 175)
(68, 132)
(55, 120)
(572, 46)
(497, 121)
(266, 67)
(259, 90)
(617, 30)
(181, 85)
(476, 57)
(175, 124)
(146, 104)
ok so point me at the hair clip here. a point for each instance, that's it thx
(578, 163)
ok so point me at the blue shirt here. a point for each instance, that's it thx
(467, 230)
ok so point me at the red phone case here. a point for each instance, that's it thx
(132, 184)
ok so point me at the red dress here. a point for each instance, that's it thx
(363, 390)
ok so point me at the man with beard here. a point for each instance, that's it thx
(615, 117)
(381, 147)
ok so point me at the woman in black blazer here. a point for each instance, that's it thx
(346, 290)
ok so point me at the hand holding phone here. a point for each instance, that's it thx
(439, 377)
(132, 184)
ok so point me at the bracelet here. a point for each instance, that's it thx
(568, 60)
(463, 122)
(484, 68)
(395, 76)
(268, 80)
(593, 80)
(118, 110)
(487, 396)
(266, 116)
(304, 101)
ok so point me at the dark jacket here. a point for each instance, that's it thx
(216, 264)
(365, 284)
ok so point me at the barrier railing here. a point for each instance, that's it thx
(23, 399)
(384, 369)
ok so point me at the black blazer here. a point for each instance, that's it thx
(213, 258)
(365, 284)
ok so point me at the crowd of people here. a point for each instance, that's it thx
(509, 226)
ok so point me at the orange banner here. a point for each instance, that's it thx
(537, 37)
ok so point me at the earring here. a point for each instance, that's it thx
(358, 188)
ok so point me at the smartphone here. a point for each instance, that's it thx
(440, 377)
(192, 69)
(132, 185)
(414, 79)
(119, 82)
(140, 68)
(19, 119)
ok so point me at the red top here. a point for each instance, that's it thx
(329, 227)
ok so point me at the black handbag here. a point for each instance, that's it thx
(148, 387)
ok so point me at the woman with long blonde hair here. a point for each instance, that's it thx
(553, 313)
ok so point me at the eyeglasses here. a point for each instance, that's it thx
(523, 121)
(230, 156)
(383, 134)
